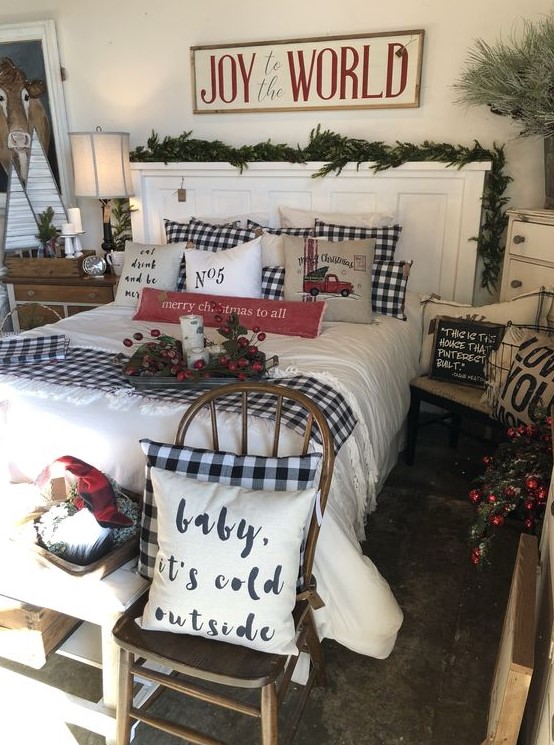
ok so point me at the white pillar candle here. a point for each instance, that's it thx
(68, 228)
(192, 332)
(74, 217)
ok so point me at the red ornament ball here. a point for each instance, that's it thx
(529, 523)
(492, 498)
(531, 483)
(474, 496)
(487, 460)
(542, 493)
(496, 520)
(510, 492)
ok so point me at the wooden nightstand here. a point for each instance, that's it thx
(529, 257)
(66, 295)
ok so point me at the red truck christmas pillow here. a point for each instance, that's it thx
(337, 273)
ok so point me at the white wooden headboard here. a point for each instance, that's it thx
(438, 206)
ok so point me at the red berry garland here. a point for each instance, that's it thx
(515, 482)
(163, 356)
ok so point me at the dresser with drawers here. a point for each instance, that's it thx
(65, 295)
(529, 256)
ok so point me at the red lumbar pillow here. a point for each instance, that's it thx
(274, 317)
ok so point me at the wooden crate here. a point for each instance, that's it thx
(28, 634)
(30, 267)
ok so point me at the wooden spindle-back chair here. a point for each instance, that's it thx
(192, 658)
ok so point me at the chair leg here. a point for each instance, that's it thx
(316, 653)
(124, 697)
(269, 712)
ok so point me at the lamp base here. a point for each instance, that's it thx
(108, 244)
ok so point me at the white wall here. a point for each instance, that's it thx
(128, 68)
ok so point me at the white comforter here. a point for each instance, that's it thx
(370, 364)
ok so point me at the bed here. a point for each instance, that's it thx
(90, 411)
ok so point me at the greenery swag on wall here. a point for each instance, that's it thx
(336, 151)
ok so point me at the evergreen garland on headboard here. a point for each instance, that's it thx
(336, 151)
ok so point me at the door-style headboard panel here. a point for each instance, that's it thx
(439, 207)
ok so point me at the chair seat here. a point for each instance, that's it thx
(463, 395)
(195, 655)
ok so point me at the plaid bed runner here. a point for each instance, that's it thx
(88, 368)
(17, 350)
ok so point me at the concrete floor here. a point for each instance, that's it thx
(433, 689)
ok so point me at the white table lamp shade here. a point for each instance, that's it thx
(101, 164)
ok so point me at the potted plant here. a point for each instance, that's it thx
(47, 233)
(515, 78)
(121, 222)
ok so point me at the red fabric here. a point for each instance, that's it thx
(95, 491)
(272, 316)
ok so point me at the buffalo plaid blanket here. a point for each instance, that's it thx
(91, 369)
(17, 350)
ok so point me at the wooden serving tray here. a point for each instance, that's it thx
(164, 381)
(31, 267)
(102, 567)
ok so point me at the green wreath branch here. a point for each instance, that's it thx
(337, 150)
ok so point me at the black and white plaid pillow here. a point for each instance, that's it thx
(273, 282)
(176, 232)
(249, 471)
(208, 237)
(179, 232)
(389, 280)
(280, 231)
(386, 237)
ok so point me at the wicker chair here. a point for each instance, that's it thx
(221, 665)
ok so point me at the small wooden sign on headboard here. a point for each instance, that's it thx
(461, 347)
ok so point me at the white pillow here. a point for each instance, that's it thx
(529, 308)
(291, 217)
(147, 265)
(273, 249)
(227, 562)
(236, 272)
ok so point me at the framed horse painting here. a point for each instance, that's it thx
(31, 102)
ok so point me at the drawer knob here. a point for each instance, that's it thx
(519, 239)
(31, 293)
(92, 295)
(515, 283)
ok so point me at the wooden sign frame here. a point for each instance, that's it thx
(375, 70)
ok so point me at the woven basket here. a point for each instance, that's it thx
(27, 316)
(500, 360)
